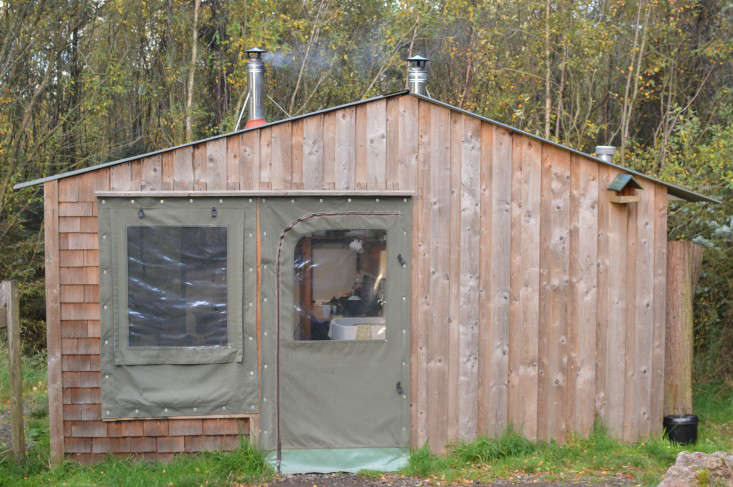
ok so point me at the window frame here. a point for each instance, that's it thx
(387, 247)
(121, 213)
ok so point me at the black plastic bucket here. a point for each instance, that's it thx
(681, 428)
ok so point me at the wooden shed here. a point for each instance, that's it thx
(518, 293)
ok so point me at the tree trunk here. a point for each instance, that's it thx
(548, 71)
(191, 72)
(684, 260)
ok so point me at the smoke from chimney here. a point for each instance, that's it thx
(256, 78)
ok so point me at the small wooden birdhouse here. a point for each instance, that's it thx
(623, 189)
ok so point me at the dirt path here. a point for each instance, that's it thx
(351, 480)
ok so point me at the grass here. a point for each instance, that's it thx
(240, 467)
(598, 456)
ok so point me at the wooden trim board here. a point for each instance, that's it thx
(255, 194)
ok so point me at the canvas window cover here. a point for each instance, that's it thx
(178, 322)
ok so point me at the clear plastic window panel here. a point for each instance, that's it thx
(177, 286)
(340, 282)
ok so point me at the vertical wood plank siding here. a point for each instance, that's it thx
(535, 301)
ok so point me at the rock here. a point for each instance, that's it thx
(693, 469)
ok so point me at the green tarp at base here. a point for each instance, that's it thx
(340, 460)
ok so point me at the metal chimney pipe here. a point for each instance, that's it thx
(417, 75)
(256, 78)
(605, 152)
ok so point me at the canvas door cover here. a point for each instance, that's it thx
(343, 399)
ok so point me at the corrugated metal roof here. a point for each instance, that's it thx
(674, 190)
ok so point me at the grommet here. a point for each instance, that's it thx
(377, 200)
(264, 200)
(250, 235)
(162, 201)
(251, 372)
(104, 271)
(106, 376)
(404, 298)
(264, 300)
(404, 364)
(404, 332)
(104, 236)
(106, 413)
(105, 306)
(221, 200)
(165, 410)
(264, 399)
(104, 202)
(292, 201)
(404, 396)
(264, 333)
(132, 202)
(264, 234)
(249, 304)
(137, 411)
(404, 200)
(195, 409)
(190, 200)
(106, 342)
(250, 339)
(224, 408)
(250, 200)
(349, 200)
(251, 269)
(264, 366)
(321, 200)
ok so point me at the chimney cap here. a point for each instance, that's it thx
(605, 149)
(255, 53)
(418, 60)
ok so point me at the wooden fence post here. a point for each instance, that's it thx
(684, 260)
(9, 305)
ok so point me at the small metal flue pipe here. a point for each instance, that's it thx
(256, 78)
(417, 75)
(605, 152)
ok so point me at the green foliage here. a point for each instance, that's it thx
(598, 455)
(485, 450)
(423, 462)
(247, 465)
(33, 372)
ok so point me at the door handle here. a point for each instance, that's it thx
(398, 387)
